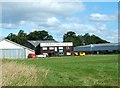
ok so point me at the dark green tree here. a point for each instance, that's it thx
(39, 35)
(12, 37)
(82, 40)
(71, 37)
(93, 39)
(97, 40)
(21, 37)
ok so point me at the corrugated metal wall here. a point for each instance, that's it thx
(12, 53)
(96, 48)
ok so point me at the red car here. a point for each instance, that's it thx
(32, 55)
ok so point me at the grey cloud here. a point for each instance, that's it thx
(14, 12)
(101, 17)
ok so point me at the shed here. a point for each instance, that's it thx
(9, 49)
(99, 48)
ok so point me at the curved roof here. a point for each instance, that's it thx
(96, 47)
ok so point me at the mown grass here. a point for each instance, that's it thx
(91, 70)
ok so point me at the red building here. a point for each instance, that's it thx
(51, 48)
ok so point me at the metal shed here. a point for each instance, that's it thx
(9, 49)
(104, 48)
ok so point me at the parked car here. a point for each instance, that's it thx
(41, 56)
(82, 53)
(32, 55)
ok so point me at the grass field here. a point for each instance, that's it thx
(91, 70)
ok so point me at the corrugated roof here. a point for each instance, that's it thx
(35, 43)
(95, 47)
(106, 44)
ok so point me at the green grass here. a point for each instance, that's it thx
(91, 70)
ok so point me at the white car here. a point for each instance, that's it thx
(41, 56)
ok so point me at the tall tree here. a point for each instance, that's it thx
(82, 40)
(39, 35)
(21, 37)
(12, 37)
(71, 37)
(96, 40)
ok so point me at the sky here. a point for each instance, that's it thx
(58, 17)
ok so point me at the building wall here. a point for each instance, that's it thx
(51, 48)
(9, 49)
(98, 49)
(61, 50)
(12, 53)
(28, 52)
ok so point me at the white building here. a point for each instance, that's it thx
(9, 49)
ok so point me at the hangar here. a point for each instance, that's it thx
(9, 49)
(107, 48)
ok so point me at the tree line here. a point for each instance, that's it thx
(82, 39)
(70, 36)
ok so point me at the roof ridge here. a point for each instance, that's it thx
(17, 44)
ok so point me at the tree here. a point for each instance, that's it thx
(21, 37)
(82, 40)
(93, 39)
(87, 39)
(12, 37)
(39, 35)
(71, 37)
(97, 40)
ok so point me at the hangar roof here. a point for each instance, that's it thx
(96, 47)
(7, 44)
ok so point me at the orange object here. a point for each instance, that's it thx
(32, 55)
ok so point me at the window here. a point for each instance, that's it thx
(60, 50)
(67, 47)
(44, 48)
(68, 53)
(60, 47)
(51, 48)
(56, 49)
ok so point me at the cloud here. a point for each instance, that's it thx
(65, 27)
(101, 27)
(15, 12)
(73, 19)
(101, 17)
(101, 30)
(114, 37)
(7, 25)
(55, 16)
(53, 21)
(79, 28)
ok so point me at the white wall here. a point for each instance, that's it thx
(28, 52)
(57, 44)
(8, 46)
